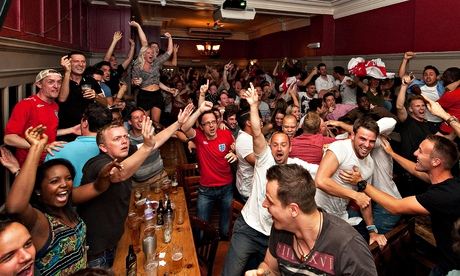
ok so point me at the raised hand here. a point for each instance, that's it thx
(65, 63)
(8, 160)
(168, 35)
(204, 88)
(436, 109)
(206, 106)
(147, 132)
(117, 36)
(134, 24)
(409, 55)
(251, 95)
(36, 135)
(185, 114)
(228, 66)
(176, 48)
(131, 42)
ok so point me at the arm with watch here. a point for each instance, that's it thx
(407, 205)
(374, 235)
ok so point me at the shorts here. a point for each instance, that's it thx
(149, 99)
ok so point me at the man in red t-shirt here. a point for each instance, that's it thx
(214, 153)
(35, 110)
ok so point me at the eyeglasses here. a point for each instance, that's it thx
(210, 123)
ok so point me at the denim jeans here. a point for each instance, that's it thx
(223, 195)
(383, 220)
(247, 246)
(103, 260)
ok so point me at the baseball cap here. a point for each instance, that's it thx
(45, 73)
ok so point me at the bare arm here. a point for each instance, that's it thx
(328, 166)
(64, 91)
(116, 37)
(129, 58)
(140, 32)
(170, 44)
(187, 126)
(203, 90)
(436, 109)
(312, 73)
(227, 69)
(401, 111)
(251, 159)
(173, 61)
(259, 142)
(89, 191)
(407, 205)
(405, 163)
(404, 63)
(16, 141)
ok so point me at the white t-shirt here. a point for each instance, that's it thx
(245, 171)
(343, 150)
(348, 94)
(264, 111)
(432, 94)
(324, 84)
(254, 214)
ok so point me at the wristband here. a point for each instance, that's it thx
(16, 173)
(372, 228)
(451, 119)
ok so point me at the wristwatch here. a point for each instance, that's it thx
(362, 185)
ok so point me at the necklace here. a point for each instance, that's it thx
(304, 256)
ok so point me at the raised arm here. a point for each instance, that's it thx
(203, 90)
(401, 111)
(259, 143)
(187, 126)
(312, 73)
(64, 91)
(17, 202)
(140, 32)
(129, 58)
(227, 69)
(292, 90)
(166, 133)
(405, 163)
(405, 61)
(116, 37)
(170, 44)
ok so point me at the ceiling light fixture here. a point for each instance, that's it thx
(163, 2)
(208, 48)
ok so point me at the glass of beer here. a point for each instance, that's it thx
(174, 184)
(134, 224)
(176, 259)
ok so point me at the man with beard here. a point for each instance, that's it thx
(435, 157)
(252, 229)
(334, 194)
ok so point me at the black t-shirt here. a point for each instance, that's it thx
(412, 133)
(105, 214)
(71, 111)
(115, 77)
(339, 250)
(443, 202)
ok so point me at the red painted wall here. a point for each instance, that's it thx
(53, 22)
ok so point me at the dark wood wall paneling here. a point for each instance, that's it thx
(421, 25)
(53, 22)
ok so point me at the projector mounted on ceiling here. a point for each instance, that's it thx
(235, 16)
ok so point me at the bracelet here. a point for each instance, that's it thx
(451, 119)
(372, 228)
(16, 173)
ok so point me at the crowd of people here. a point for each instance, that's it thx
(309, 154)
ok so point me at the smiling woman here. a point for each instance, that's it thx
(58, 233)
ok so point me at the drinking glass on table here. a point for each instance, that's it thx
(134, 224)
(174, 184)
(166, 186)
(176, 258)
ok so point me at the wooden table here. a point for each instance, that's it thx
(182, 235)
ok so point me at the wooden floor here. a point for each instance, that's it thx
(220, 257)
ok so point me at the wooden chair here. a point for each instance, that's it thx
(397, 257)
(206, 239)
(191, 184)
(185, 170)
(236, 212)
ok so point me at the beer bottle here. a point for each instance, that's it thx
(131, 262)
(160, 213)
